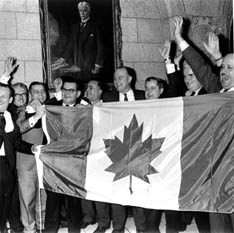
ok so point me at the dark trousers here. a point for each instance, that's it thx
(6, 188)
(88, 209)
(221, 223)
(153, 220)
(203, 222)
(14, 215)
(201, 219)
(53, 210)
(119, 217)
(172, 221)
(96, 211)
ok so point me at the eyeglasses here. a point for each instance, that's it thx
(70, 91)
(20, 95)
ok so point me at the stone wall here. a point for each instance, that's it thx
(20, 37)
(142, 34)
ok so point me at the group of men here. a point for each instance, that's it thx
(22, 109)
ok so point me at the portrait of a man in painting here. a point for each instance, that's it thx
(79, 39)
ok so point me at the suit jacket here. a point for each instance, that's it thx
(85, 48)
(175, 86)
(202, 70)
(113, 96)
(202, 91)
(13, 142)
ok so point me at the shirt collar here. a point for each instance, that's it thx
(197, 91)
(9, 123)
(230, 89)
(130, 96)
(86, 20)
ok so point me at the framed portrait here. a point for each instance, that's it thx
(66, 51)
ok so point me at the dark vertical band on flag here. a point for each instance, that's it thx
(70, 131)
(207, 154)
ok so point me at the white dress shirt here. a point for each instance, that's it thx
(129, 94)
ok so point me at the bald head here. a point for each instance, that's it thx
(227, 71)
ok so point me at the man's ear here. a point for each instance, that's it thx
(129, 79)
(161, 90)
(11, 99)
(29, 97)
(78, 94)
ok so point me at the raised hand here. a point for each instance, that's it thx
(10, 66)
(212, 47)
(34, 104)
(58, 84)
(178, 22)
(165, 49)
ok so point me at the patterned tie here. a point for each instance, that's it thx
(2, 121)
(125, 97)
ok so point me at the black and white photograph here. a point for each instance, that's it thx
(116, 116)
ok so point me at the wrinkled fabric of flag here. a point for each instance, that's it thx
(175, 153)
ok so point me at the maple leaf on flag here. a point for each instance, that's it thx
(132, 157)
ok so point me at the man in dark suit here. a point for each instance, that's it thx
(212, 83)
(124, 92)
(194, 88)
(20, 100)
(10, 140)
(71, 96)
(85, 48)
(122, 83)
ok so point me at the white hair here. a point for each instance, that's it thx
(84, 4)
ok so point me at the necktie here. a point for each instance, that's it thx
(2, 126)
(125, 97)
(82, 25)
(2, 121)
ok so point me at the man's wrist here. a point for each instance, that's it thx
(167, 60)
(183, 45)
(218, 57)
